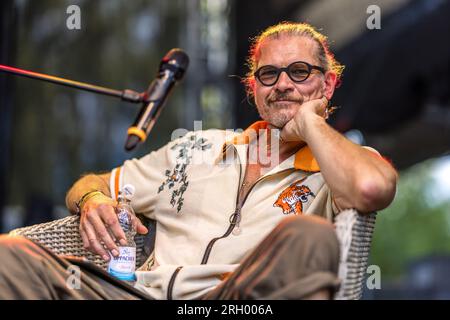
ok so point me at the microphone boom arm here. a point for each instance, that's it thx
(126, 95)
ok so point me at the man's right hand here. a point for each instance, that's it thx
(99, 225)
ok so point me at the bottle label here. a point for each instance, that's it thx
(124, 265)
(124, 219)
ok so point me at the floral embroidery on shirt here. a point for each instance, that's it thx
(292, 198)
(177, 177)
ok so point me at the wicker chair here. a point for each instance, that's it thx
(354, 232)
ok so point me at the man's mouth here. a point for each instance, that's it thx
(284, 101)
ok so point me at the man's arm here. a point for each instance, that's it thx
(87, 183)
(99, 226)
(358, 178)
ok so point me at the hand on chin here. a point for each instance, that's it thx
(292, 130)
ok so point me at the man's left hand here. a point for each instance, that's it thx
(294, 129)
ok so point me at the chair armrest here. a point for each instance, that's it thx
(62, 237)
(354, 231)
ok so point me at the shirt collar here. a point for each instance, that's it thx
(302, 160)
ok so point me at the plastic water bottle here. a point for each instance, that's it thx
(123, 266)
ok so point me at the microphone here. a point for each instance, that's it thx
(171, 69)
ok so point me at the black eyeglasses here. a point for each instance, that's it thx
(297, 71)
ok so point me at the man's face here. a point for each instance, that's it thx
(277, 104)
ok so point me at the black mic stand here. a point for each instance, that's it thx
(126, 95)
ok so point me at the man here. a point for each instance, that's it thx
(240, 216)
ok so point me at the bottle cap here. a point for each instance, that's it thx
(128, 191)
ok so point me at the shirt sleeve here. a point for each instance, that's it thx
(145, 174)
(322, 204)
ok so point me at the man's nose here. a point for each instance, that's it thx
(284, 83)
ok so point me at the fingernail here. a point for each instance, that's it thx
(105, 257)
(123, 242)
(114, 252)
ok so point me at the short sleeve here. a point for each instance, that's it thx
(145, 174)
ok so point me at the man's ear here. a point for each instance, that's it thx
(330, 84)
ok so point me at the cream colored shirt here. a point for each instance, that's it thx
(190, 187)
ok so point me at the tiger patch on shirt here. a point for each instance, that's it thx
(292, 198)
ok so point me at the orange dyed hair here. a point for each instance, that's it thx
(324, 56)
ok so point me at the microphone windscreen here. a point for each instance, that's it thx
(176, 59)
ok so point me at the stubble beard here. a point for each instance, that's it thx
(277, 114)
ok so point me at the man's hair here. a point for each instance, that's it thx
(324, 56)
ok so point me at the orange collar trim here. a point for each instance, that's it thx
(250, 133)
(304, 159)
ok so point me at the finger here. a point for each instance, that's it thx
(85, 239)
(94, 244)
(83, 234)
(289, 132)
(321, 106)
(109, 217)
(318, 102)
(140, 228)
(325, 103)
(103, 234)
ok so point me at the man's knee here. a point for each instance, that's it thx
(15, 246)
(313, 238)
